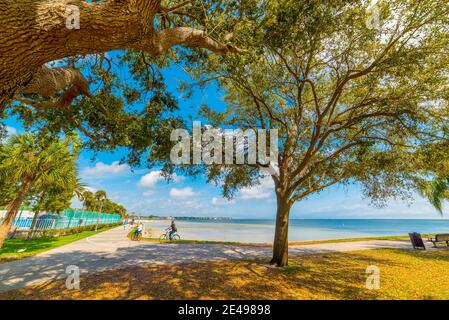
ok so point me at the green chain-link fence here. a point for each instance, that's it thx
(68, 219)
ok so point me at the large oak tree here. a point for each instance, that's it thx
(354, 100)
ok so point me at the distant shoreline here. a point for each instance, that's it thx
(185, 218)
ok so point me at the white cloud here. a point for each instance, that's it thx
(151, 179)
(159, 206)
(182, 193)
(11, 130)
(221, 202)
(93, 190)
(191, 204)
(76, 203)
(333, 204)
(261, 191)
(101, 169)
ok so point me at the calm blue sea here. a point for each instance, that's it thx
(366, 226)
(261, 231)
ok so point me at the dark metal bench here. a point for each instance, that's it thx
(444, 237)
(417, 241)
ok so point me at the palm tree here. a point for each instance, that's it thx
(88, 200)
(119, 209)
(100, 197)
(436, 191)
(54, 199)
(78, 188)
(28, 162)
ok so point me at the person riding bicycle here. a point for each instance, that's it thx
(138, 230)
(172, 229)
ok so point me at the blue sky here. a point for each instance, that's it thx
(144, 191)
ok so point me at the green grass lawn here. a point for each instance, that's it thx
(14, 249)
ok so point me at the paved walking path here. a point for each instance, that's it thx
(111, 249)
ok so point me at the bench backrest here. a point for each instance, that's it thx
(442, 237)
(416, 240)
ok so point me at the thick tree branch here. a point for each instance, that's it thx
(35, 32)
(304, 194)
(68, 83)
(190, 37)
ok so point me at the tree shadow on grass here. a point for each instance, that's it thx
(324, 277)
(158, 271)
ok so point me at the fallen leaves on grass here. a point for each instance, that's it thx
(404, 274)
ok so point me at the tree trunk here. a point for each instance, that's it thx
(35, 32)
(33, 225)
(280, 245)
(36, 215)
(12, 209)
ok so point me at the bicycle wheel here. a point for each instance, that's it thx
(176, 237)
(163, 237)
(139, 237)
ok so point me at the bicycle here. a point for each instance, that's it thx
(165, 236)
(137, 236)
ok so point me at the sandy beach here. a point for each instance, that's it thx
(262, 231)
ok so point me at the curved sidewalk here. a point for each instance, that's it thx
(111, 249)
